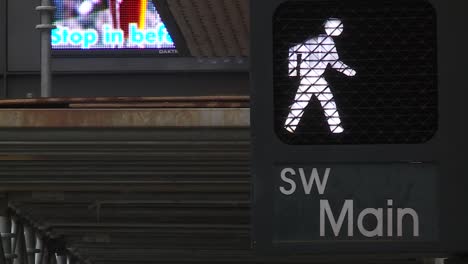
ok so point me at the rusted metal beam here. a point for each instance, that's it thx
(155, 186)
(162, 105)
(137, 102)
(124, 118)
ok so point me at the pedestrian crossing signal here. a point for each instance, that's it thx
(349, 72)
(310, 59)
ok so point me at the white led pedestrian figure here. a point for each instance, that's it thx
(308, 61)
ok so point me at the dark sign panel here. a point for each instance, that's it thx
(354, 72)
(357, 139)
(358, 202)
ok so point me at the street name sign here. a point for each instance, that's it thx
(359, 126)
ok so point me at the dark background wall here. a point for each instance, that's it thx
(134, 84)
(1, 83)
(2, 44)
(110, 76)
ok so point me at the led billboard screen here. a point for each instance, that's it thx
(109, 24)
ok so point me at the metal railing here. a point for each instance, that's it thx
(22, 243)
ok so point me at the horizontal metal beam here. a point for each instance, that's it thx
(38, 141)
(87, 63)
(231, 101)
(124, 118)
(32, 198)
(155, 186)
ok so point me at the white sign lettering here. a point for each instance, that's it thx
(344, 222)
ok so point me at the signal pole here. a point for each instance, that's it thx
(46, 10)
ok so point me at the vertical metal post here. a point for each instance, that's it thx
(46, 10)
(20, 248)
(40, 249)
(61, 258)
(13, 231)
(45, 254)
(5, 230)
(52, 258)
(2, 252)
(30, 244)
(71, 260)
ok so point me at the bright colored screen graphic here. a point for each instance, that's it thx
(109, 24)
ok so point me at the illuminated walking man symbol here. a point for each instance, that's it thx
(308, 61)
